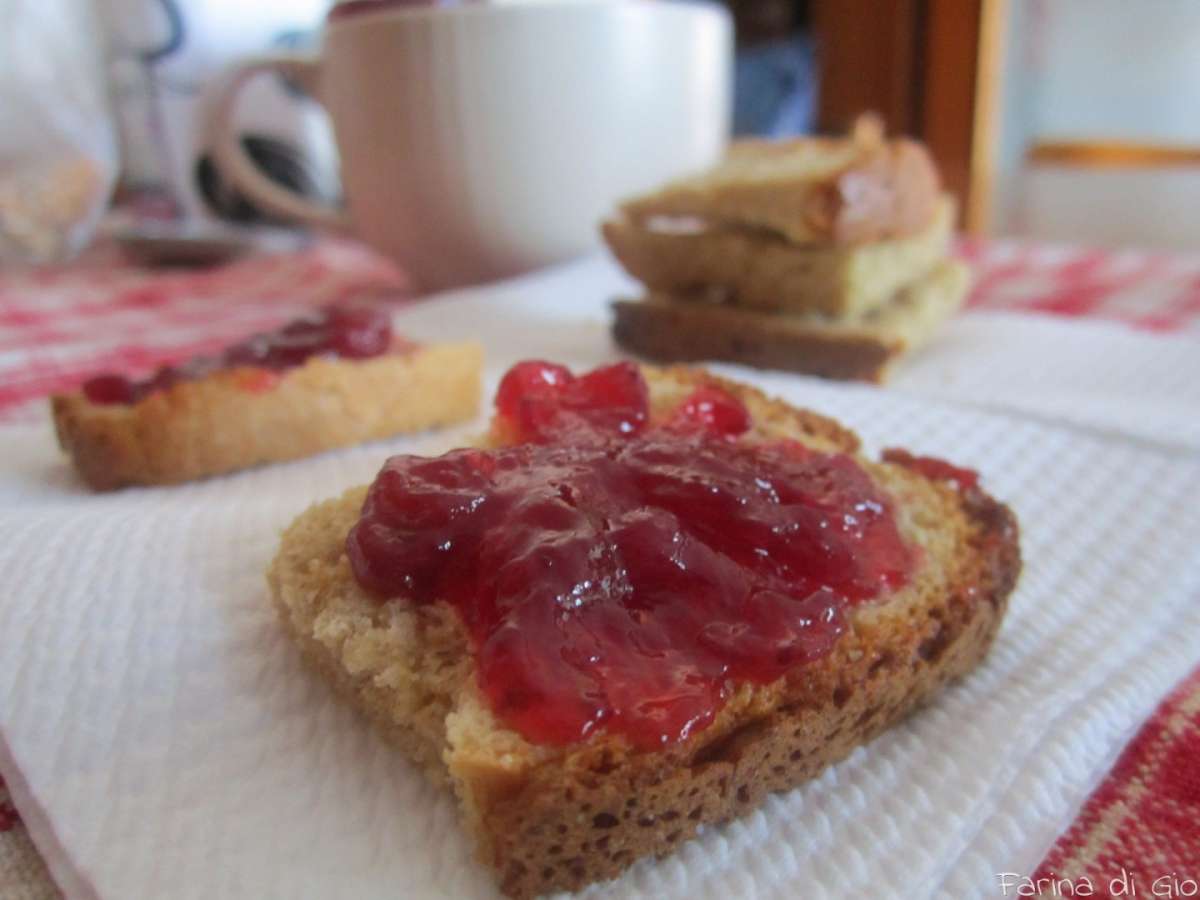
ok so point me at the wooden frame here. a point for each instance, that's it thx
(1111, 154)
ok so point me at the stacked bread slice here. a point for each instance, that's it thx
(828, 256)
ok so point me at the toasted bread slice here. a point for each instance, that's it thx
(551, 818)
(809, 190)
(226, 421)
(758, 270)
(666, 328)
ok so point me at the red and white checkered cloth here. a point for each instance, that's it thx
(1138, 835)
(60, 326)
(1147, 290)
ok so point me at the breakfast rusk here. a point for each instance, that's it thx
(747, 268)
(268, 399)
(584, 723)
(823, 256)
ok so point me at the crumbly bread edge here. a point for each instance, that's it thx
(546, 819)
(242, 417)
(669, 329)
(755, 269)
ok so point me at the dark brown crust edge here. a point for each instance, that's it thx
(666, 333)
(564, 838)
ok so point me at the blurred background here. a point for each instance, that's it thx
(1062, 120)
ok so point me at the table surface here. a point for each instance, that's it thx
(59, 326)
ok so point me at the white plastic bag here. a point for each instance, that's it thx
(58, 154)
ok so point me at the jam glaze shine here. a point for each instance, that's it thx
(619, 574)
(349, 332)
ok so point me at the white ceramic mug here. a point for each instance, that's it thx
(478, 141)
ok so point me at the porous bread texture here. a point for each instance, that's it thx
(758, 270)
(228, 420)
(808, 190)
(557, 818)
(666, 328)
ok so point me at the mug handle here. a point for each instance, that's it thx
(235, 163)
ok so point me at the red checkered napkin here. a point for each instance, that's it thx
(1138, 835)
(59, 326)
(1155, 291)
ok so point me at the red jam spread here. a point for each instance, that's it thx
(354, 332)
(620, 575)
(933, 468)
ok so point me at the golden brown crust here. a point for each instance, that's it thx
(809, 190)
(758, 270)
(228, 421)
(549, 818)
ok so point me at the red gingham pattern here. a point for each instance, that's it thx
(1141, 828)
(1143, 289)
(59, 326)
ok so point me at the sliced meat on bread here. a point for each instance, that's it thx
(756, 269)
(549, 818)
(666, 328)
(809, 190)
(241, 417)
